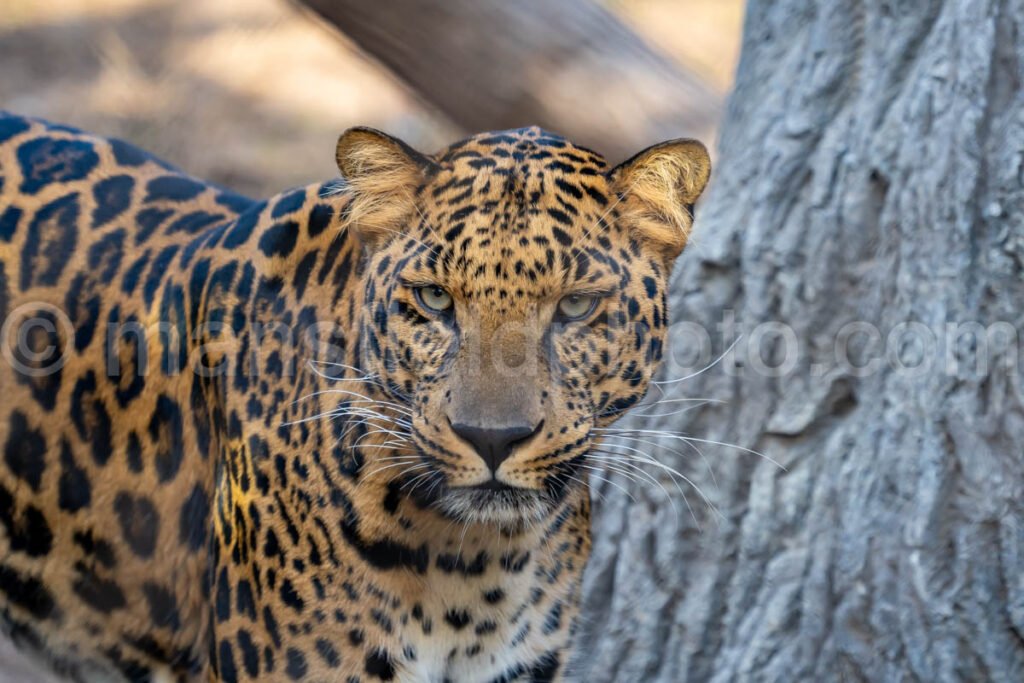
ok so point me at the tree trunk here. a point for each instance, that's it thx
(865, 230)
(569, 66)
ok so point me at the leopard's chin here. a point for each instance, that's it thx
(494, 503)
(507, 507)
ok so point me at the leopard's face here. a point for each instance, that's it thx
(516, 304)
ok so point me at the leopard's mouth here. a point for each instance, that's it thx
(496, 503)
(493, 502)
(496, 486)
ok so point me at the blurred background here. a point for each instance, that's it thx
(253, 93)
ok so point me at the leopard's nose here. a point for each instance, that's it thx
(495, 444)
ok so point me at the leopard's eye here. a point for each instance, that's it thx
(576, 306)
(434, 298)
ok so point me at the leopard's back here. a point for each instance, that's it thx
(105, 488)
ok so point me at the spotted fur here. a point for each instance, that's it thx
(231, 444)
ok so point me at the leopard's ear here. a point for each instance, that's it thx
(381, 174)
(658, 188)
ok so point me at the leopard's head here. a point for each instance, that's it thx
(515, 299)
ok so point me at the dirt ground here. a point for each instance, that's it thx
(253, 93)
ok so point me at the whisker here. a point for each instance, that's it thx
(705, 369)
(350, 410)
(609, 468)
(601, 494)
(681, 437)
(365, 377)
(423, 218)
(618, 466)
(362, 397)
(655, 444)
(612, 483)
(462, 539)
(381, 430)
(675, 412)
(384, 446)
(393, 457)
(645, 458)
(606, 459)
(368, 413)
(335, 413)
(370, 378)
(419, 476)
(625, 459)
(409, 468)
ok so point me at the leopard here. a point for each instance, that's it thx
(340, 434)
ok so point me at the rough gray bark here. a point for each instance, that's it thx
(569, 66)
(870, 169)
